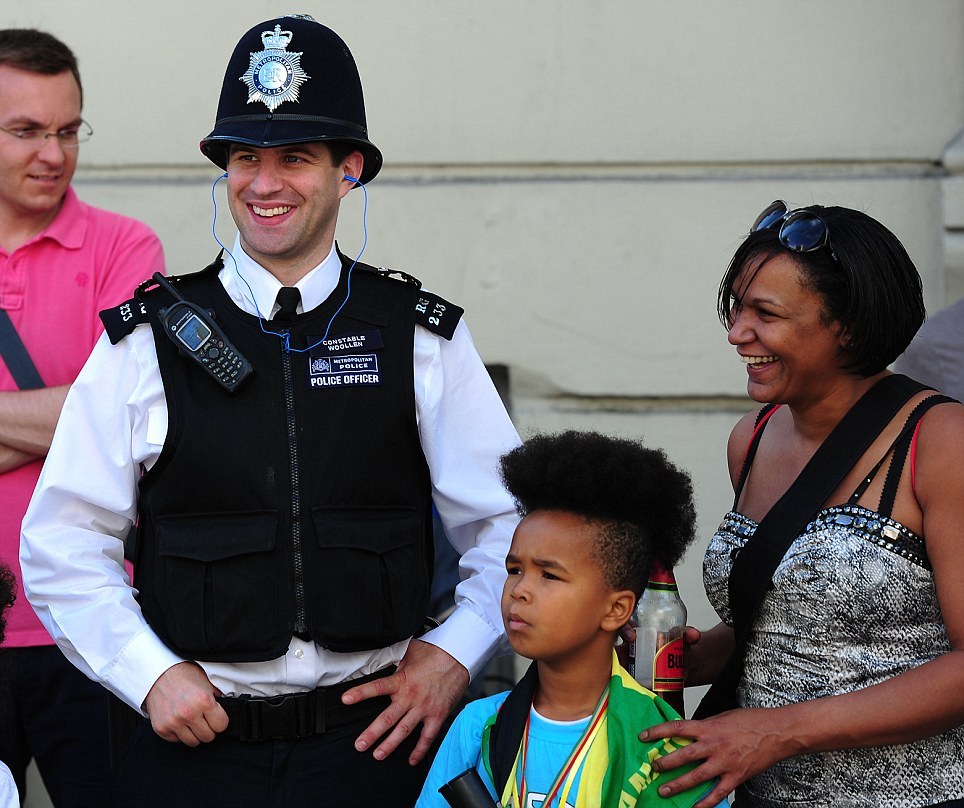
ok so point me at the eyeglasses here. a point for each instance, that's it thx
(69, 137)
(801, 230)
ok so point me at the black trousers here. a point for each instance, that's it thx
(51, 712)
(320, 771)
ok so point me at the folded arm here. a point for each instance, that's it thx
(27, 422)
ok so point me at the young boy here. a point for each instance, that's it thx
(596, 511)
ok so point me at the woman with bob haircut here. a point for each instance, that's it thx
(839, 662)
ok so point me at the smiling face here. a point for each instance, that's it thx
(285, 203)
(34, 177)
(556, 605)
(778, 325)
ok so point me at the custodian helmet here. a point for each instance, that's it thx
(291, 80)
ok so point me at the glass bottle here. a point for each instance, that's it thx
(658, 657)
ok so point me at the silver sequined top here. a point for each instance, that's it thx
(853, 603)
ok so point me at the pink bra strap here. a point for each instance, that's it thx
(759, 428)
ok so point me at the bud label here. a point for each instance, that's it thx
(669, 667)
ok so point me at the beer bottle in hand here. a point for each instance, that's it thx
(659, 662)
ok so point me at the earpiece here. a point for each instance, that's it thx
(351, 179)
(224, 176)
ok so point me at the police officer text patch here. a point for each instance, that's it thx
(344, 360)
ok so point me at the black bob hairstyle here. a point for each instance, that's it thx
(871, 287)
(639, 503)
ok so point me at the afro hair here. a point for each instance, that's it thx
(640, 500)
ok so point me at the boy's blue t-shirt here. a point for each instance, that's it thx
(550, 743)
(461, 750)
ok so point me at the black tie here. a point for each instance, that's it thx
(288, 299)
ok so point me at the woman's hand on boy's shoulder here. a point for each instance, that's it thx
(729, 748)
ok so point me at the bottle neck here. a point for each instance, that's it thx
(661, 578)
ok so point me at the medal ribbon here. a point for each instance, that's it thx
(572, 764)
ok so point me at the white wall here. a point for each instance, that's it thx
(576, 175)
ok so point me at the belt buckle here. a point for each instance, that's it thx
(319, 702)
(251, 730)
(289, 717)
(305, 710)
(293, 716)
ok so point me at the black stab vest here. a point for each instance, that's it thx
(292, 506)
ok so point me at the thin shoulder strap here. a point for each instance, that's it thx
(762, 417)
(897, 452)
(901, 447)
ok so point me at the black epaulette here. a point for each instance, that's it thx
(431, 311)
(437, 314)
(122, 320)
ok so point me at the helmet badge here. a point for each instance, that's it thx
(274, 74)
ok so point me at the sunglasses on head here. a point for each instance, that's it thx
(801, 230)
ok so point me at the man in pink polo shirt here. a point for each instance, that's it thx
(61, 262)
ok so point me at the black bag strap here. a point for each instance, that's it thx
(753, 568)
(506, 733)
(15, 354)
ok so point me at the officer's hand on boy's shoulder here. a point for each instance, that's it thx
(182, 707)
(428, 683)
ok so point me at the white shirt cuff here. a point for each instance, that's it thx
(467, 637)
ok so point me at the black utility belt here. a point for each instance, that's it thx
(291, 716)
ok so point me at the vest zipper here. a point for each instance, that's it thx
(301, 626)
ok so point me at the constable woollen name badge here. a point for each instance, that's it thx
(345, 360)
(274, 74)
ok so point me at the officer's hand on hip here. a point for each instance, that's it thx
(182, 706)
(427, 685)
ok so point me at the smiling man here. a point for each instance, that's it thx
(273, 644)
(61, 262)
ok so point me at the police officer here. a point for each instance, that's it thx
(280, 456)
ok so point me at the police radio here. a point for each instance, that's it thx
(201, 340)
